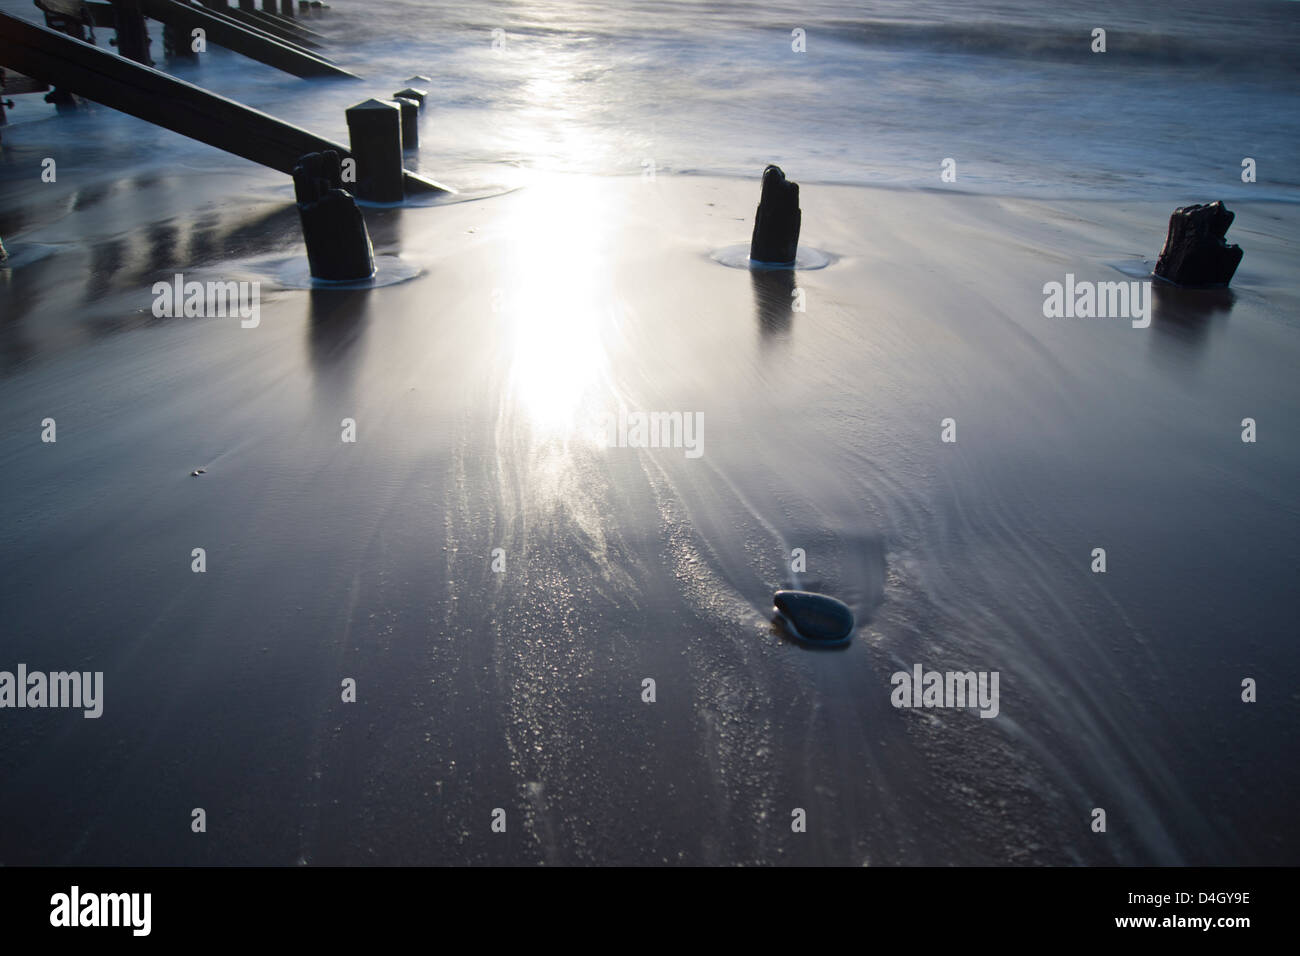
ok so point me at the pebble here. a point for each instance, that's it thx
(814, 618)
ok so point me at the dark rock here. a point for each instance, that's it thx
(1195, 252)
(776, 223)
(814, 618)
(338, 244)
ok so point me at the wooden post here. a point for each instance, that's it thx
(776, 223)
(412, 94)
(410, 123)
(65, 16)
(338, 245)
(177, 44)
(375, 132)
(132, 34)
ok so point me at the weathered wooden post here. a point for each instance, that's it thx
(338, 245)
(1196, 252)
(412, 94)
(410, 115)
(132, 34)
(776, 223)
(410, 122)
(177, 43)
(65, 16)
(375, 134)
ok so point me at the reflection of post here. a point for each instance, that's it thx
(773, 295)
(1182, 318)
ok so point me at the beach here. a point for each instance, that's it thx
(476, 390)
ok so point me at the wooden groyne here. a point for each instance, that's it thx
(163, 100)
(234, 36)
(292, 51)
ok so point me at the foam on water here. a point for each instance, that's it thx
(1011, 92)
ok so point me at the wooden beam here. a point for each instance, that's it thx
(164, 100)
(287, 37)
(293, 26)
(240, 39)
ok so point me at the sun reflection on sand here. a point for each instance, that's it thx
(555, 299)
(556, 305)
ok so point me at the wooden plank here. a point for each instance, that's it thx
(301, 44)
(164, 100)
(293, 26)
(250, 19)
(234, 37)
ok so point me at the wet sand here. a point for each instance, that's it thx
(477, 390)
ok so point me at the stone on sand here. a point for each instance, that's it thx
(814, 618)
